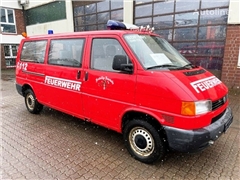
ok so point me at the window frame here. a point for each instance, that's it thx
(32, 60)
(7, 21)
(11, 58)
(79, 14)
(91, 66)
(65, 39)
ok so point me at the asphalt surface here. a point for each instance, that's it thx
(53, 145)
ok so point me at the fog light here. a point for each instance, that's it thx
(211, 142)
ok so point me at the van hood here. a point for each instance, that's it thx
(198, 83)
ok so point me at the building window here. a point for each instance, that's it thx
(144, 10)
(94, 16)
(187, 5)
(46, 13)
(10, 52)
(8, 21)
(197, 29)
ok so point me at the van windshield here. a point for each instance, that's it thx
(154, 52)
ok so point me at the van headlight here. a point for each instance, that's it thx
(196, 108)
(225, 98)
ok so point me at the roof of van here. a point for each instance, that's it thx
(86, 33)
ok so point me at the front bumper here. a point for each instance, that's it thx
(195, 140)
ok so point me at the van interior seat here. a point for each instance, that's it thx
(111, 51)
(98, 57)
(65, 54)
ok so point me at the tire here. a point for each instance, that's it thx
(143, 141)
(33, 106)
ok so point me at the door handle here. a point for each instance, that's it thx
(78, 74)
(86, 76)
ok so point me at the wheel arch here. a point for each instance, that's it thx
(144, 136)
(151, 119)
(25, 87)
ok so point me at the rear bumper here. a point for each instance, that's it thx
(195, 140)
(19, 89)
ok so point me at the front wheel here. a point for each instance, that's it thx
(143, 141)
(33, 106)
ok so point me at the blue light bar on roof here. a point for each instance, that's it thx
(115, 25)
(50, 31)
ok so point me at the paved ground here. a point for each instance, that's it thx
(54, 145)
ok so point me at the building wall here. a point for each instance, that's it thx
(10, 4)
(231, 60)
(231, 70)
(3, 63)
(128, 7)
(19, 21)
(36, 3)
(12, 38)
(60, 26)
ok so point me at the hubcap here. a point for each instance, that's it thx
(141, 141)
(30, 101)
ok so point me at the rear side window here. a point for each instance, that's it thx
(66, 52)
(34, 51)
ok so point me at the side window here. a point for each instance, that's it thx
(34, 51)
(66, 52)
(103, 52)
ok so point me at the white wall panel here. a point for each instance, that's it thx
(10, 39)
(13, 4)
(234, 12)
(128, 11)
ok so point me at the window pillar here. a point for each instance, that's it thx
(128, 11)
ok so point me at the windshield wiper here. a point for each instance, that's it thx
(188, 66)
(162, 66)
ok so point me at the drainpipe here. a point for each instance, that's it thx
(24, 17)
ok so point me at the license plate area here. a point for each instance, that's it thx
(227, 124)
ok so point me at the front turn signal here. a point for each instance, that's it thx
(188, 108)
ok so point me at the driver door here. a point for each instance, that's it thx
(107, 93)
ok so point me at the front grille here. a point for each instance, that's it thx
(217, 104)
(218, 117)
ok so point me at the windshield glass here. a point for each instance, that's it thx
(155, 52)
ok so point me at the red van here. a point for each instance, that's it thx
(130, 81)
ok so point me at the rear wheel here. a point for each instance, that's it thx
(143, 141)
(33, 106)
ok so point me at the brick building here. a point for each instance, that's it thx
(12, 25)
(231, 61)
(205, 32)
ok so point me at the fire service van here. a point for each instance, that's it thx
(129, 80)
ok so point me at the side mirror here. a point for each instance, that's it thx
(120, 64)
